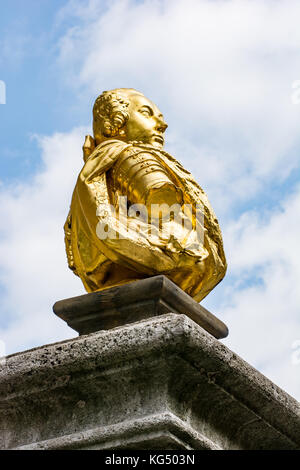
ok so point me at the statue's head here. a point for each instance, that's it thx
(127, 115)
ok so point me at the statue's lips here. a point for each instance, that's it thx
(159, 139)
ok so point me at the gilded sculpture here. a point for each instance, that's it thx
(120, 227)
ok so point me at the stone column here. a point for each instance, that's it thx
(158, 383)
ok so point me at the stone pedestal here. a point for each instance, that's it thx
(160, 383)
(132, 302)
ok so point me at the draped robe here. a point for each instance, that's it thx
(103, 263)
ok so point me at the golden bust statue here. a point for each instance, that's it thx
(135, 211)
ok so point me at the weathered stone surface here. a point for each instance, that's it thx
(133, 302)
(161, 383)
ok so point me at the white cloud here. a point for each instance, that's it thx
(221, 71)
(33, 269)
(264, 317)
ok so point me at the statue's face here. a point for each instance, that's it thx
(146, 123)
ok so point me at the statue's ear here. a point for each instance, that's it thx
(88, 147)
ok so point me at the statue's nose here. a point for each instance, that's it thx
(161, 125)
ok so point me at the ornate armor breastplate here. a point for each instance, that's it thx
(143, 179)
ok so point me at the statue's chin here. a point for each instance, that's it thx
(157, 145)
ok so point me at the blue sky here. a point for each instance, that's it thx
(38, 101)
(222, 73)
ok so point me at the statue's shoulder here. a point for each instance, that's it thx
(111, 146)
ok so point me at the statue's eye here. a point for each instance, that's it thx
(146, 112)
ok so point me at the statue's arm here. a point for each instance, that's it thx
(68, 243)
(101, 160)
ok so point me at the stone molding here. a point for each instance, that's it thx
(161, 383)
